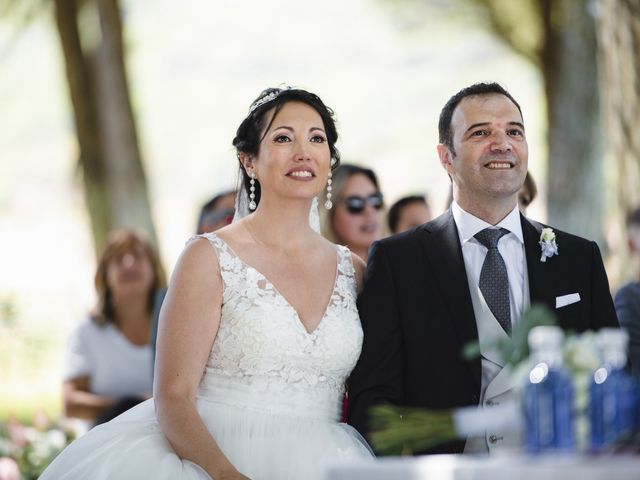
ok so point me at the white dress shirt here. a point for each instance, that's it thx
(510, 246)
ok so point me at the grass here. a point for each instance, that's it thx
(30, 379)
(24, 403)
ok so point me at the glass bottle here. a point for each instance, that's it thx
(612, 392)
(548, 395)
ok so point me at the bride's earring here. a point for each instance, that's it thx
(252, 191)
(328, 204)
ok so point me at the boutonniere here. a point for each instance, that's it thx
(548, 244)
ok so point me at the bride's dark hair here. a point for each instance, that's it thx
(255, 126)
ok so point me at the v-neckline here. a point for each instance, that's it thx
(286, 301)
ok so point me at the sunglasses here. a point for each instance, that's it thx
(356, 205)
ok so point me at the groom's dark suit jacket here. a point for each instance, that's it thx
(417, 315)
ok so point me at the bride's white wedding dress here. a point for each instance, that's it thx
(271, 393)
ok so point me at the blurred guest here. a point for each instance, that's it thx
(217, 212)
(108, 359)
(408, 212)
(356, 218)
(527, 193)
(627, 299)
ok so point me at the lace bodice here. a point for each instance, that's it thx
(264, 358)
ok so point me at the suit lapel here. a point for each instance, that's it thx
(543, 276)
(548, 279)
(441, 245)
(531, 236)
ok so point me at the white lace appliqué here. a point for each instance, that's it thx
(261, 340)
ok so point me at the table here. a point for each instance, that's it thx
(512, 467)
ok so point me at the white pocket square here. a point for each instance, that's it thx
(564, 300)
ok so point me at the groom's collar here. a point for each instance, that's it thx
(468, 225)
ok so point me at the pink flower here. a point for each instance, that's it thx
(18, 433)
(9, 469)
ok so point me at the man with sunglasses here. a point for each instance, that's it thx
(468, 275)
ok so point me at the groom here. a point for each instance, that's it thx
(468, 275)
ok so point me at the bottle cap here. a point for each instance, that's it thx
(545, 336)
(609, 338)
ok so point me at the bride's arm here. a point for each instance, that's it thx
(189, 322)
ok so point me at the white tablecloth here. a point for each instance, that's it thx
(515, 467)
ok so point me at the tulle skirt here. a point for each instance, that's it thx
(262, 446)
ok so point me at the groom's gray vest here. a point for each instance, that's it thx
(497, 385)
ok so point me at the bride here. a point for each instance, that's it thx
(258, 332)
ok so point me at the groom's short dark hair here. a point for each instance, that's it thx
(444, 124)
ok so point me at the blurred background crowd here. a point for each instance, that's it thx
(115, 147)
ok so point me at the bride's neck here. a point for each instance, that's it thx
(288, 224)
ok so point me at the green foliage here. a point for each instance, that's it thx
(24, 11)
(404, 430)
(20, 14)
(8, 313)
(518, 23)
(33, 447)
(18, 341)
(516, 348)
(27, 354)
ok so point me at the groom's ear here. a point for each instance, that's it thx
(445, 155)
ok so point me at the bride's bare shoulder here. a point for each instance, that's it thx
(199, 254)
(233, 233)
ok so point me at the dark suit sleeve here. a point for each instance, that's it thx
(628, 309)
(378, 375)
(603, 313)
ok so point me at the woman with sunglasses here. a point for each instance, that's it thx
(258, 332)
(356, 219)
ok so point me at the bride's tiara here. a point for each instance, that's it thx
(271, 96)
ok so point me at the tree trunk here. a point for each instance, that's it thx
(90, 157)
(109, 157)
(619, 62)
(574, 179)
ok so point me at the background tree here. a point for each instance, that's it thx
(575, 170)
(109, 155)
(618, 28)
(109, 158)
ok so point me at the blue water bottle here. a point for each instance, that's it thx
(612, 392)
(548, 395)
